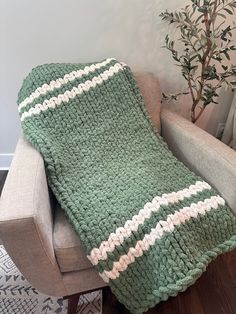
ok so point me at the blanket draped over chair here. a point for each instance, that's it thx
(148, 224)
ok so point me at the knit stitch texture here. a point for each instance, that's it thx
(148, 224)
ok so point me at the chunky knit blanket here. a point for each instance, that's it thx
(148, 224)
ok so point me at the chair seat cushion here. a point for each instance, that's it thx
(67, 245)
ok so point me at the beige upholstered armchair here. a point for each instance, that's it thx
(35, 231)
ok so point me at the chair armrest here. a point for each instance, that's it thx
(202, 153)
(26, 222)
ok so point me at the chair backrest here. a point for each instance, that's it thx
(150, 89)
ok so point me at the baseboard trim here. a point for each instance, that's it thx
(5, 161)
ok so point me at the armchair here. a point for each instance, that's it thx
(35, 231)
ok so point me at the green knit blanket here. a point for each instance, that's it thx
(148, 224)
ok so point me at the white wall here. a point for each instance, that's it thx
(36, 32)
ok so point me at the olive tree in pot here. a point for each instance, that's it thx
(206, 40)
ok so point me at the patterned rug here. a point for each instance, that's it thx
(17, 296)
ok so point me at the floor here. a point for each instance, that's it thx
(17, 296)
(213, 293)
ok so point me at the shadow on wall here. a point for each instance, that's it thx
(139, 37)
(217, 113)
(136, 37)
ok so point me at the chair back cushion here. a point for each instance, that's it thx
(150, 89)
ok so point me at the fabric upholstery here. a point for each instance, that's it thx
(80, 281)
(202, 153)
(150, 90)
(26, 220)
(67, 245)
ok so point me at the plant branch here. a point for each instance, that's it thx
(199, 114)
(204, 45)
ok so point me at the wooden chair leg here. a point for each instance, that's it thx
(111, 304)
(73, 301)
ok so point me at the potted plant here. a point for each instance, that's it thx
(205, 44)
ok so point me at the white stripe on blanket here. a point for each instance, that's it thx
(162, 227)
(70, 94)
(69, 77)
(118, 237)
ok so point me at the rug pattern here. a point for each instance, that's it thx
(17, 296)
